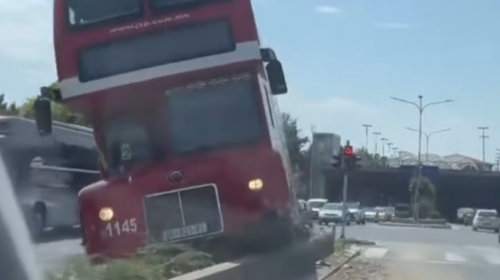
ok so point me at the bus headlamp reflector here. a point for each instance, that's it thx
(255, 185)
(106, 214)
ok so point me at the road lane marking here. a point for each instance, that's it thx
(451, 257)
(375, 253)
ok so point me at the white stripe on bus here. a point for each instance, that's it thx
(72, 87)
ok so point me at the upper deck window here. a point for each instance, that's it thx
(212, 115)
(154, 49)
(84, 12)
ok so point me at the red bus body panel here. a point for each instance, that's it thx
(229, 169)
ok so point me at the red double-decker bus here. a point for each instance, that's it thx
(182, 101)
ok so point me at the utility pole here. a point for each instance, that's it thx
(421, 108)
(367, 131)
(483, 136)
(311, 163)
(377, 135)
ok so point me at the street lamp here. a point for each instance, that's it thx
(497, 159)
(384, 140)
(483, 136)
(377, 135)
(427, 136)
(421, 107)
(389, 145)
(367, 130)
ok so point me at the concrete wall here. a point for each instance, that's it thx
(324, 146)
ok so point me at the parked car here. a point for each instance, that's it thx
(370, 214)
(384, 214)
(332, 213)
(486, 219)
(316, 204)
(356, 214)
(468, 217)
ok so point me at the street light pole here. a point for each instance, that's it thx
(497, 159)
(367, 130)
(384, 140)
(421, 108)
(427, 137)
(389, 145)
(484, 136)
(377, 135)
(311, 162)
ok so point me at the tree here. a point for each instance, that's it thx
(7, 109)
(426, 198)
(295, 142)
(60, 112)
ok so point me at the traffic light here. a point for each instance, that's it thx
(338, 160)
(350, 158)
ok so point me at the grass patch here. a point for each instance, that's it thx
(155, 262)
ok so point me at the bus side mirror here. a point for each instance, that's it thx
(276, 77)
(43, 115)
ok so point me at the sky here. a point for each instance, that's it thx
(343, 60)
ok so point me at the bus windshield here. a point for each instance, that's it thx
(84, 12)
(211, 115)
(127, 143)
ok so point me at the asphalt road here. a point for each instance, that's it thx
(60, 248)
(422, 254)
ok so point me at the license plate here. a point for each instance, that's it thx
(183, 232)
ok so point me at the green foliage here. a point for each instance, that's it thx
(59, 112)
(156, 262)
(7, 109)
(427, 197)
(372, 160)
(295, 142)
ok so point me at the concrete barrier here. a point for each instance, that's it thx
(297, 263)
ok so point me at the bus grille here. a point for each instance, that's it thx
(182, 209)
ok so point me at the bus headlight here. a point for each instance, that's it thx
(106, 214)
(255, 185)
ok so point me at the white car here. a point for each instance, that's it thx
(315, 204)
(486, 219)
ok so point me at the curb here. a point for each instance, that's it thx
(338, 267)
(416, 225)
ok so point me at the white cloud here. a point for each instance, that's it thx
(26, 52)
(327, 9)
(393, 25)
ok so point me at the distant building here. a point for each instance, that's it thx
(454, 161)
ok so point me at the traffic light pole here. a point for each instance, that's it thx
(344, 208)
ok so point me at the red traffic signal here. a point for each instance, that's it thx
(349, 151)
